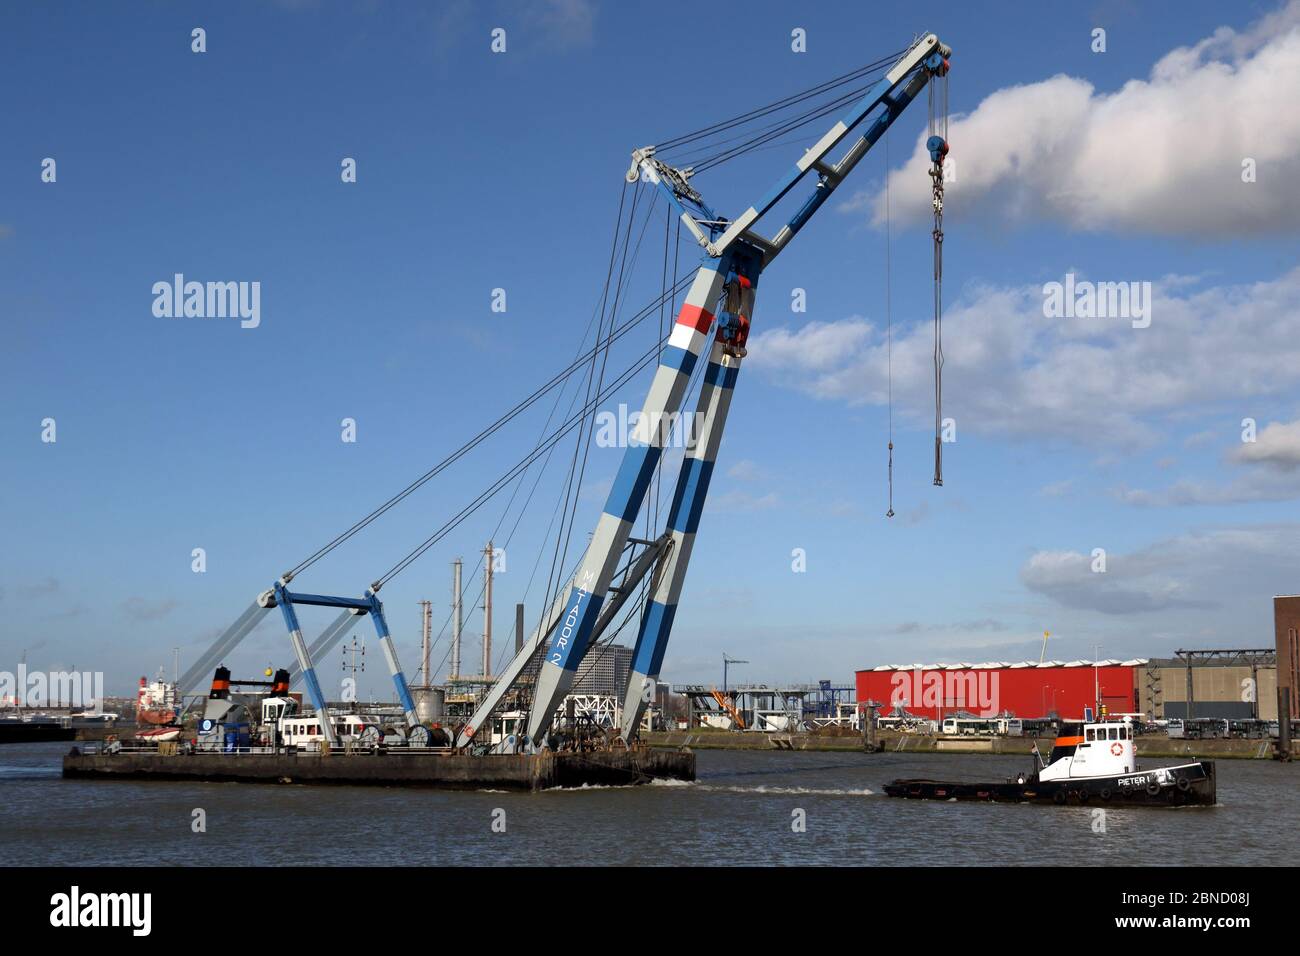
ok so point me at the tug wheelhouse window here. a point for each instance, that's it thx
(1123, 733)
(1090, 734)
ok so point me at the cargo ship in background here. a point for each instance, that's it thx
(157, 711)
(156, 703)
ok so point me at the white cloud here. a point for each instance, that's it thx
(140, 609)
(1057, 489)
(1277, 445)
(1243, 489)
(1067, 578)
(1160, 155)
(735, 500)
(1010, 370)
(1272, 460)
(1195, 571)
(567, 23)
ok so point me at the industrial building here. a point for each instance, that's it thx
(1022, 689)
(604, 672)
(1238, 683)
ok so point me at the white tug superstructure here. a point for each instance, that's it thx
(1102, 750)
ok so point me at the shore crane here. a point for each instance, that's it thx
(720, 300)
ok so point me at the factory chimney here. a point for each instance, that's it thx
(455, 620)
(487, 610)
(426, 608)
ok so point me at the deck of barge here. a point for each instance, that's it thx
(393, 768)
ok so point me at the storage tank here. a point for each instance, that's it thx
(430, 703)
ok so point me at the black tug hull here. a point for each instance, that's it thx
(1190, 784)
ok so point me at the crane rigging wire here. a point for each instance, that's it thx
(764, 137)
(510, 415)
(790, 126)
(938, 127)
(645, 360)
(777, 105)
(574, 422)
(562, 552)
(706, 152)
(554, 580)
(596, 311)
(573, 487)
(622, 286)
(889, 325)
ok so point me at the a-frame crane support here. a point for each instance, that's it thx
(282, 597)
(651, 556)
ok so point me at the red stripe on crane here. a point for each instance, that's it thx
(697, 318)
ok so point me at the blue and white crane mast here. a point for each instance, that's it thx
(725, 360)
(729, 272)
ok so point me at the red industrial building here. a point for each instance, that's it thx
(1026, 689)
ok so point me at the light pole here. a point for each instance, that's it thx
(1096, 681)
(726, 661)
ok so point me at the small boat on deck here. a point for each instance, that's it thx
(159, 735)
(1091, 764)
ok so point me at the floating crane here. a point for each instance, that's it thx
(721, 299)
(712, 326)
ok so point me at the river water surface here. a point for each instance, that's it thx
(760, 808)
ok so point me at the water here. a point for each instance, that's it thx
(740, 811)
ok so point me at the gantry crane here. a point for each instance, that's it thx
(720, 300)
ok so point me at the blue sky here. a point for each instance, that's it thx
(479, 170)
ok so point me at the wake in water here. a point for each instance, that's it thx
(724, 788)
(783, 791)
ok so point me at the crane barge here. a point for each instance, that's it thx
(710, 335)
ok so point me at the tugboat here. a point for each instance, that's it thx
(1091, 764)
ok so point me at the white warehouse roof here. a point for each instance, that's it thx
(995, 665)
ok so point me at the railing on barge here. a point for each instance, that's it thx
(111, 747)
